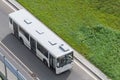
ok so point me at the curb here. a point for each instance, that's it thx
(12, 4)
(15, 4)
(89, 66)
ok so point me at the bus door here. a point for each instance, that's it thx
(52, 62)
(15, 28)
(33, 45)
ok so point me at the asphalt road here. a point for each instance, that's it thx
(14, 61)
(29, 59)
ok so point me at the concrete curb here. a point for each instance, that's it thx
(89, 66)
(15, 4)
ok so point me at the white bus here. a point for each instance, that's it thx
(45, 44)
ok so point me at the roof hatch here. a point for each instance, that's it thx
(39, 32)
(52, 43)
(27, 21)
(63, 48)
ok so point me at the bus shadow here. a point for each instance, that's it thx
(32, 61)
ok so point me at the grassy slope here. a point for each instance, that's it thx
(91, 27)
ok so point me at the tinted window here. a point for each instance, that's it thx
(15, 25)
(42, 50)
(24, 33)
(64, 60)
(10, 20)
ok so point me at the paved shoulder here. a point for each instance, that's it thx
(16, 62)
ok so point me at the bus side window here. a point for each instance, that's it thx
(24, 33)
(42, 50)
(10, 20)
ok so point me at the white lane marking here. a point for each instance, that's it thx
(21, 63)
(83, 68)
(9, 5)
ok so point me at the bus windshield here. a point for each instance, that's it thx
(64, 60)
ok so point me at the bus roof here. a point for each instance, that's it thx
(42, 34)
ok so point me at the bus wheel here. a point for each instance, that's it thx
(45, 62)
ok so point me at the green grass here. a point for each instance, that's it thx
(92, 27)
